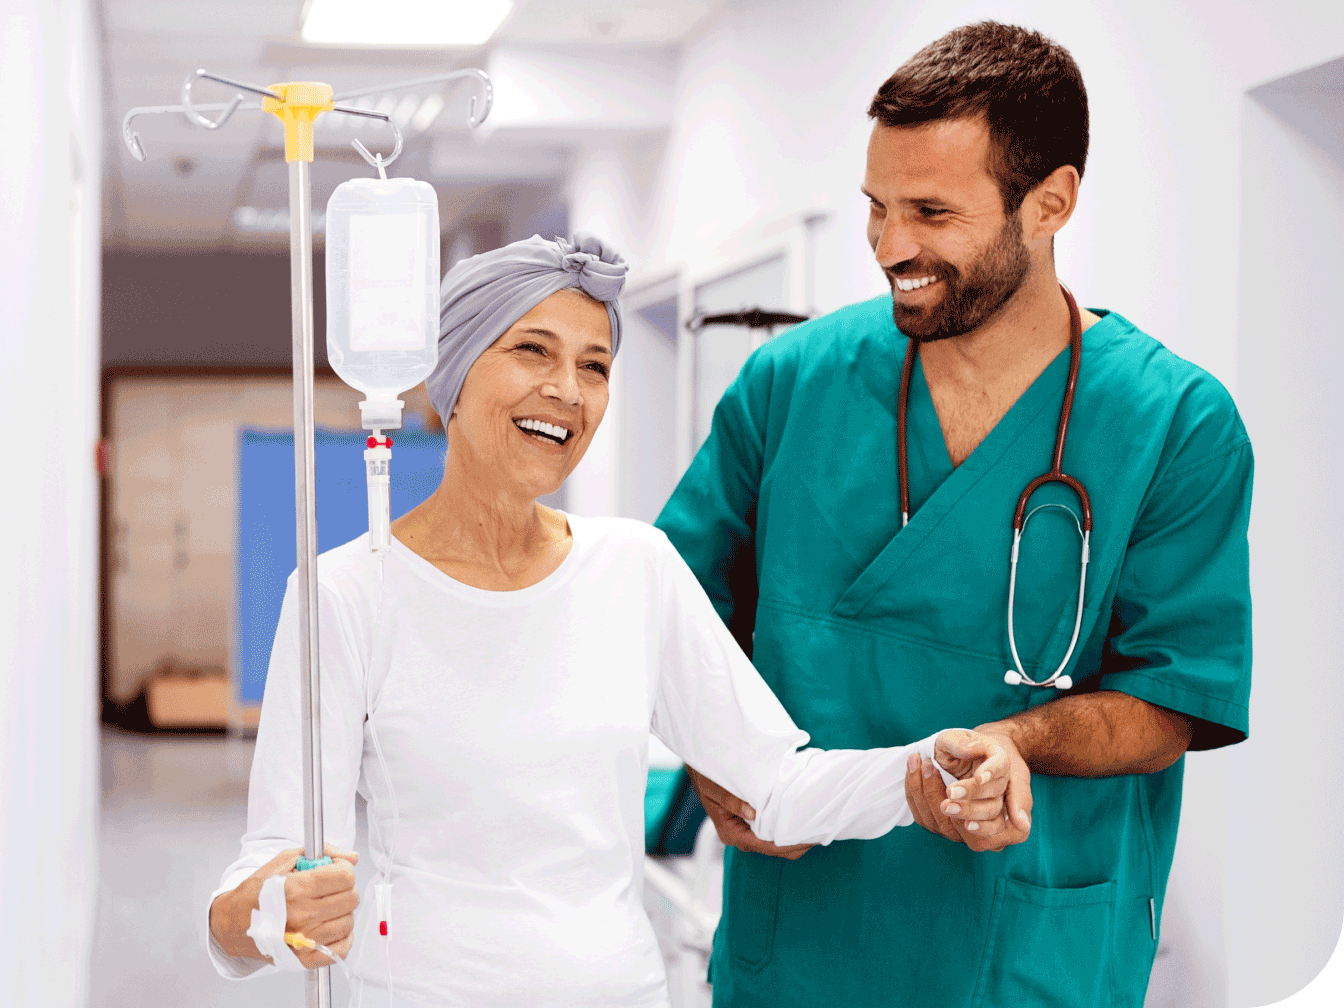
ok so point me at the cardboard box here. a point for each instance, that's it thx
(196, 698)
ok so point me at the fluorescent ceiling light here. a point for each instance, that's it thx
(425, 115)
(403, 22)
(261, 220)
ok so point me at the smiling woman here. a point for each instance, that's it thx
(506, 663)
(526, 414)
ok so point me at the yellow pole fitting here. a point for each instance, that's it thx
(303, 102)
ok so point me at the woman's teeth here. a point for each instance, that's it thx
(909, 285)
(549, 431)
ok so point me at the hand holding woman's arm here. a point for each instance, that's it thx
(731, 818)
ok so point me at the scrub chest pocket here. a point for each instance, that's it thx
(1048, 948)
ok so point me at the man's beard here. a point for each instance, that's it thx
(971, 299)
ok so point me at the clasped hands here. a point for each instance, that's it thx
(988, 809)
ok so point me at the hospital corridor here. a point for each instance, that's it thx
(655, 381)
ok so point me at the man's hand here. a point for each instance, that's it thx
(730, 816)
(996, 778)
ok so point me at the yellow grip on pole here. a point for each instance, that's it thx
(303, 102)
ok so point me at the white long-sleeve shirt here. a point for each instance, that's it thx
(515, 730)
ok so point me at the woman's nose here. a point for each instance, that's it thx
(564, 387)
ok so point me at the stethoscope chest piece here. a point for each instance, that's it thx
(1014, 678)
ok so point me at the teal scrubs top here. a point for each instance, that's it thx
(873, 635)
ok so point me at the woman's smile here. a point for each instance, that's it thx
(545, 431)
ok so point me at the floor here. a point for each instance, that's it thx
(173, 810)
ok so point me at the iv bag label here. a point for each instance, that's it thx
(387, 279)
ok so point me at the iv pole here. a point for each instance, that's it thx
(298, 105)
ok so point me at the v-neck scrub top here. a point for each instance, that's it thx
(869, 633)
(515, 726)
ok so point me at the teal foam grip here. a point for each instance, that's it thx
(303, 863)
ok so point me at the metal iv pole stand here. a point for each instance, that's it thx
(298, 105)
(318, 985)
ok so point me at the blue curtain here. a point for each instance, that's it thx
(266, 555)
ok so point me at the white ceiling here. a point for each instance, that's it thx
(185, 194)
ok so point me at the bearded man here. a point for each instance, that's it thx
(1101, 628)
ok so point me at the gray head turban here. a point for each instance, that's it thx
(481, 297)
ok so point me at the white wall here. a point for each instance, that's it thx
(1292, 367)
(610, 189)
(49, 203)
(768, 121)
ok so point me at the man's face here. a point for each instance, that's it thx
(937, 226)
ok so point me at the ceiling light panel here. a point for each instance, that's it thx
(406, 23)
(429, 111)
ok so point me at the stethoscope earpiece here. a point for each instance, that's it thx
(1012, 678)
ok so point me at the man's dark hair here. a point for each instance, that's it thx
(1027, 87)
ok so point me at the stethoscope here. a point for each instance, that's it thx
(1017, 676)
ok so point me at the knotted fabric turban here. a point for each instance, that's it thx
(481, 297)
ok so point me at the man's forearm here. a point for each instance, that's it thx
(1097, 735)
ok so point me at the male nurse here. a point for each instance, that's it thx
(872, 633)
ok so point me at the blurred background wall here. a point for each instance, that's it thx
(720, 144)
(50, 191)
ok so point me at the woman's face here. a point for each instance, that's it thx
(531, 403)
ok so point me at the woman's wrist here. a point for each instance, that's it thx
(230, 917)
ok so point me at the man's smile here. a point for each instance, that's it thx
(913, 283)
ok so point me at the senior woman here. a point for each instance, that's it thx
(510, 660)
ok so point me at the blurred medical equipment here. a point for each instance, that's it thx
(752, 318)
(693, 887)
(1014, 677)
(297, 105)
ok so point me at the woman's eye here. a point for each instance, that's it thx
(598, 368)
(535, 347)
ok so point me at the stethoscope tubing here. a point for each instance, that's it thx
(1020, 515)
(1056, 676)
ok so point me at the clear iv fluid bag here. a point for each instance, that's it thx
(383, 289)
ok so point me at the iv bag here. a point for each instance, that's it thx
(383, 290)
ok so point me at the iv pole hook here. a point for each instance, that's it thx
(483, 86)
(375, 160)
(190, 112)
